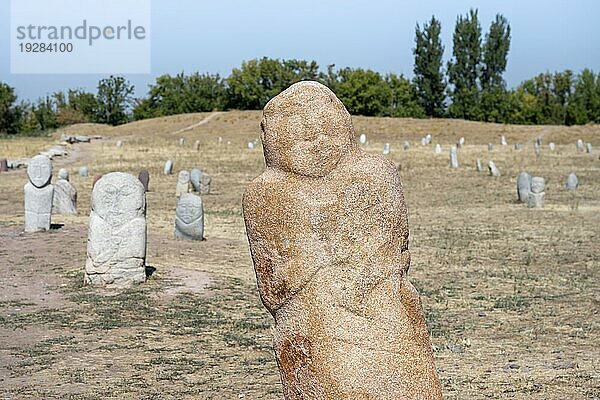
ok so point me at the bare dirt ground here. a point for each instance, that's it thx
(511, 295)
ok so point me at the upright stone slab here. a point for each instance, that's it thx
(580, 145)
(537, 195)
(116, 250)
(490, 147)
(453, 158)
(328, 232)
(438, 149)
(250, 145)
(363, 138)
(63, 173)
(189, 217)
(181, 141)
(183, 183)
(205, 180)
(478, 165)
(38, 194)
(195, 175)
(119, 143)
(144, 177)
(503, 140)
(517, 146)
(588, 148)
(494, 171)
(552, 146)
(461, 142)
(197, 145)
(168, 169)
(386, 149)
(572, 182)
(406, 146)
(84, 172)
(3, 165)
(537, 148)
(64, 200)
(523, 187)
(423, 141)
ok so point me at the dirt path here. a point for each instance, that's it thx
(204, 121)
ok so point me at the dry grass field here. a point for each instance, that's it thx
(511, 294)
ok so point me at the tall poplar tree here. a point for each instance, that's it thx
(429, 77)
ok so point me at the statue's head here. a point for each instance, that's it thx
(118, 197)
(39, 171)
(189, 208)
(306, 130)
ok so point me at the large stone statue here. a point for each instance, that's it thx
(117, 235)
(328, 232)
(38, 194)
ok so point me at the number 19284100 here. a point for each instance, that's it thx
(46, 47)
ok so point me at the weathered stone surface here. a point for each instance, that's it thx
(328, 231)
(478, 165)
(494, 171)
(363, 138)
(189, 217)
(117, 235)
(64, 200)
(144, 177)
(63, 173)
(168, 170)
(82, 139)
(572, 182)
(438, 149)
(183, 183)
(453, 158)
(84, 172)
(538, 184)
(523, 186)
(205, 180)
(195, 175)
(536, 200)
(3, 165)
(386, 149)
(38, 194)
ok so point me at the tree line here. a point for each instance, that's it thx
(469, 86)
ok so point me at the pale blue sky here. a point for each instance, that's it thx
(215, 36)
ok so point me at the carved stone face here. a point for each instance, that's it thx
(189, 208)
(183, 177)
(118, 198)
(39, 171)
(306, 130)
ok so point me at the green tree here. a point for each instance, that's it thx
(429, 77)
(45, 113)
(404, 99)
(9, 111)
(584, 106)
(363, 92)
(464, 68)
(495, 54)
(114, 100)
